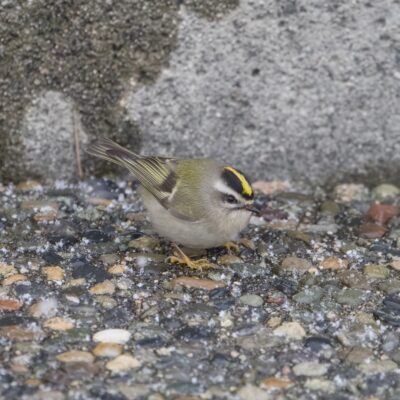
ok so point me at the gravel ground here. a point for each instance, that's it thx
(308, 309)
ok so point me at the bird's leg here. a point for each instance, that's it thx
(235, 246)
(180, 257)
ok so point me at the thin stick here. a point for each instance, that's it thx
(76, 141)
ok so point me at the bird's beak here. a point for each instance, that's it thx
(252, 209)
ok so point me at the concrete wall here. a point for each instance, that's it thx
(281, 89)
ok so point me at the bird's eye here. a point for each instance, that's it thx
(230, 199)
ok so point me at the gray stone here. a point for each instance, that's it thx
(310, 368)
(308, 296)
(251, 300)
(350, 297)
(385, 191)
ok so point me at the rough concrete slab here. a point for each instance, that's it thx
(281, 89)
(299, 89)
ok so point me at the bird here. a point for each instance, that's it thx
(197, 203)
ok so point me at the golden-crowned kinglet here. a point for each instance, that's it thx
(197, 203)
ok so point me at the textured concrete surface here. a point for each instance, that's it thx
(289, 89)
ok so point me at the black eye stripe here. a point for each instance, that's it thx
(228, 198)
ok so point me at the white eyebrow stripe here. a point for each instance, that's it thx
(221, 187)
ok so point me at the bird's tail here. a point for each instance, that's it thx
(108, 150)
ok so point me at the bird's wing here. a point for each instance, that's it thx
(156, 174)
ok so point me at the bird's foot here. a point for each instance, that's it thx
(180, 257)
(231, 246)
(235, 246)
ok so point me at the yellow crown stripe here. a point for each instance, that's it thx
(245, 185)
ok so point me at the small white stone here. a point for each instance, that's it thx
(120, 336)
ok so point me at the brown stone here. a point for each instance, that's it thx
(21, 334)
(108, 350)
(45, 216)
(395, 264)
(277, 383)
(14, 278)
(334, 263)
(54, 273)
(99, 201)
(122, 363)
(42, 205)
(28, 185)
(76, 356)
(10, 304)
(58, 324)
(7, 270)
(206, 284)
(228, 259)
(372, 231)
(106, 287)
(382, 213)
(117, 269)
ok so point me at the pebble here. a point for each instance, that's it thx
(309, 295)
(58, 324)
(109, 259)
(106, 287)
(205, 284)
(277, 383)
(44, 308)
(54, 273)
(106, 302)
(99, 201)
(7, 270)
(390, 286)
(372, 231)
(350, 297)
(376, 271)
(28, 186)
(358, 355)
(21, 334)
(122, 363)
(10, 304)
(377, 367)
(385, 191)
(228, 259)
(290, 330)
(117, 269)
(382, 213)
(49, 215)
(120, 336)
(330, 207)
(395, 264)
(76, 356)
(323, 385)
(295, 264)
(108, 350)
(354, 279)
(253, 392)
(43, 205)
(144, 243)
(251, 300)
(349, 192)
(333, 263)
(10, 280)
(310, 368)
